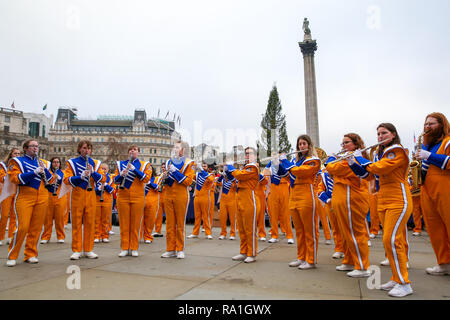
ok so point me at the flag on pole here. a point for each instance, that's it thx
(12, 106)
(166, 115)
(158, 113)
(179, 120)
(414, 138)
(174, 116)
(44, 107)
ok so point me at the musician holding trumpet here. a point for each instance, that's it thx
(31, 175)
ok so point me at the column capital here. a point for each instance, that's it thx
(308, 47)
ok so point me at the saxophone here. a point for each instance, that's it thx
(415, 168)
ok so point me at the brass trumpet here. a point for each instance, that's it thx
(122, 184)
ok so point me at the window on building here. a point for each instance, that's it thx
(33, 129)
(7, 119)
(43, 131)
(7, 142)
(6, 129)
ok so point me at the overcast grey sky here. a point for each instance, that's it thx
(214, 62)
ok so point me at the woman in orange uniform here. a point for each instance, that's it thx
(131, 175)
(394, 202)
(435, 201)
(302, 201)
(82, 173)
(228, 206)
(247, 204)
(180, 174)
(30, 174)
(260, 193)
(104, 196)
(350, 203)
(56, 205)
(6, 209)
(150, 208)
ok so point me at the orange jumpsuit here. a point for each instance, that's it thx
(260, 193)
(131, 201)
(247, 205)
(104, 209)
(373, 199)
(150, 208)
(203, 203)
(82, 202)
(302, 206)
(417, 212)
(228, 207)
(395, 204)
(176, 202)
(435, 199)
(278, 201)
(323, 218)
(30, 205)
(160, 212)
(67, 213)
(6, 208)
(56, 211)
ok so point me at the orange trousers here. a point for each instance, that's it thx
(83, 208)
(324, 220)
(176, 206)
(56, 211)
(260, 215)
(302, 206)
(337, 234)
(228, 209)
(149, 216)
(30, 207)
(67, 213)
(130, 216)
(374, 218)
(160, 214)
(103, 217)
(396, 205)
(435, 202)
(202, 208)
(247, 206)
(7, 211)
(351, 206)
(417, 214)
(277, 203)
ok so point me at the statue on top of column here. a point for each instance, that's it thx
(306, 29)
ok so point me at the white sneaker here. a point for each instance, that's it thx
(8, 241)
(372, 236)
(221, 237)
(156, 234)
(385, 262)
(290, 241)
(439, 270)
(345, 267)
(90, 255)
(338, 255)
(232, 238)
(249, 259)
(169, 254)
(359, 273)
(401, 290)
(44, 241)
(416, 234)
(1, 242)
(203, 229)
(75, 256)
(192, 236)
(273, 240)
(327, 242)
(209, 237)
(180, 255)
(11, 263)
(96, 240)
(239, 257)
(369, 243)
(134, 253)
(32, 260)
(148, 241)
(123, 253)
(60, 241)
(262, 239)
(111, 232)
(306, 265)
(388, 286)
(296, 263)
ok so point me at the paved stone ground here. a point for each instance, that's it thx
(207, 273)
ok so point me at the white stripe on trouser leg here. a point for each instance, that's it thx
(394, 252)
(254, 225)
(367, 226)
(185, 214)
(407, 240)
(351, 228)
(14, 240)
(314, 223)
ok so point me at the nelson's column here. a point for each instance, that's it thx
(308, 47)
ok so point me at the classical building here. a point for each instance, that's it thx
(111, 136)
(17, 126)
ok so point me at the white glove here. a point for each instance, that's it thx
(229, 163)
(38, 170)
(357, 153)
(275, 162)
(124, 172)
(84, 174)
(131, 167)
(351, 160)
(422, 154)
(172, 168)
(283, 157)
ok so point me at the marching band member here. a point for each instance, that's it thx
(81, 173)
(350, 203)
(323, 219)
(180, 174)
(160, 213)
(202, 201)
(6, 205)
(56, 205)
(260, 193)
(131, 175)
(278, 201)
(302, 201)
(324, 194)
(30, 174)
(247, 204)
(103, 191)
(151, 207)
(374, 217)
(435, 156)
(394, 202)
(228, 206)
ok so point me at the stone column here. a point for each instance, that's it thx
(308, 47)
